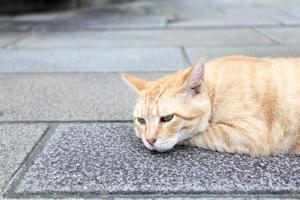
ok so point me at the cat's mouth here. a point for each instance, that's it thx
(160, 145)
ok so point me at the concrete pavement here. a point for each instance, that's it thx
(64, 111)
(107, 158)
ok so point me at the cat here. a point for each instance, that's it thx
(234, 104)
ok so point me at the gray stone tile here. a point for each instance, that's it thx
(285, 35)
(16, 141)
(282, 3)
(291, 22)
(66, 97)
(90, 59)
(222, 21)
(276, 11)
(248, 15)
(292, 9)
(260, 51)
(238, 36)
(7, 38)
(185, 9)
(99, 159)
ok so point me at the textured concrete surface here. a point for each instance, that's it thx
(16, 141)
(236, 36)
(110, 159)
(262, 51)
(283, 34)
(91, 60)
(66, 97)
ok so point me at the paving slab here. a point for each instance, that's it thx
(67, 97)
(185, 9)
(261, 51)
(235, 36)
(7, 38)
(248, 15)
(108, 159)
(90, 59)
(16, 142)
(285, 35)
(293, 9)
(224, 21)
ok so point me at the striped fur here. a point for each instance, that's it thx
(246, 105)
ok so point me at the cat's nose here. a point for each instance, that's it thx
(151, 141)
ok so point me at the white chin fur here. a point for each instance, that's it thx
(160, 145)
(165, 145)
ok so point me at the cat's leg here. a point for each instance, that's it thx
(231, 138)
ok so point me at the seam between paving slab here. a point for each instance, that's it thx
(25, 160)
(185, 55)
(28, 160)
(273, 40)
(9, 188)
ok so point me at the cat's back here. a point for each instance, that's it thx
(239, 63)
(281, 73)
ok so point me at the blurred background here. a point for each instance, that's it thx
(61, 59)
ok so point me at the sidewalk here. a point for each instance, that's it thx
(65, 113)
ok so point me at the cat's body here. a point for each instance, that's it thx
(255, 105)
(234, 104)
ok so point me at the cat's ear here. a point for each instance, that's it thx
(134, 82)
(196, 78)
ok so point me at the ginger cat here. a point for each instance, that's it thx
(234, 104)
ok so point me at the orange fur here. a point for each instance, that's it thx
(246, 105)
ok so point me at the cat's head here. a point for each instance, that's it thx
(171, 109)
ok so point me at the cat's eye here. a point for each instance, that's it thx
(166, 118)
(141, 120)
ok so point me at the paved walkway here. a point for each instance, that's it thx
(64, 111)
